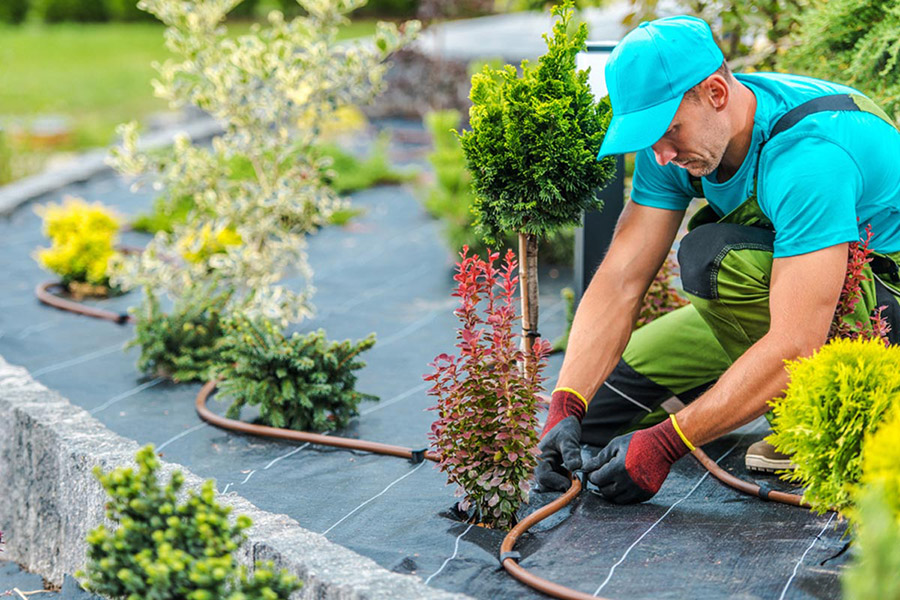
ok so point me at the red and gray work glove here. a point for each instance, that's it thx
(632, 467)
(560, 442)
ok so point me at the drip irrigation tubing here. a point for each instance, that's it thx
(508, 557)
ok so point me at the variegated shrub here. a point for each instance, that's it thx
(270, 89)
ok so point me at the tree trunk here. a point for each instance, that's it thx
(528, 288)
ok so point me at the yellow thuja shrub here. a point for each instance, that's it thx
(881, 460)
(82, 239)
(835, 398)
(198, 247)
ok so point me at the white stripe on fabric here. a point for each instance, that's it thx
(800, 562)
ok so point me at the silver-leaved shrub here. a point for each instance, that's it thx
(270, 89)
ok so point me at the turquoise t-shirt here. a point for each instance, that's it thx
(820, 182)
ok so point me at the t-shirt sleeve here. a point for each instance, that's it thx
(809, 187)
(657, 186)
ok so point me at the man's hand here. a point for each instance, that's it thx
(561, 441)
(634, 466)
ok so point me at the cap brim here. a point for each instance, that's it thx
(638, 130)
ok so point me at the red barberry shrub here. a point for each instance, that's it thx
(846, 322)
(486, 430)
(661, 297)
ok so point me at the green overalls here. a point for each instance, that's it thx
(726, 265)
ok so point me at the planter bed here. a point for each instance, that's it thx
(389, 272)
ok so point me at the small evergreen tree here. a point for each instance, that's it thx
(532, 150)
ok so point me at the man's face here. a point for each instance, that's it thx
(696, 139)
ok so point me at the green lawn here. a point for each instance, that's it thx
(96, 75)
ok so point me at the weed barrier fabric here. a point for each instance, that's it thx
(389, 272)
(12, 577)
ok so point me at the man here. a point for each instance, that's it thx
(793, 170)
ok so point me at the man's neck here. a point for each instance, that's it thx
(742, 124)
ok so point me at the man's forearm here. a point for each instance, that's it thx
(744, 390)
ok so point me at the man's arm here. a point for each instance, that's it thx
(804, 293)
(611, 304)
(602, 327)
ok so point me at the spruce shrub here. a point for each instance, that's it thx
(833, 400)
(185, 344)
(82, 239)
(164, 548)
(302, 382)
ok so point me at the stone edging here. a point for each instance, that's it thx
(50, 500)
(93, 162)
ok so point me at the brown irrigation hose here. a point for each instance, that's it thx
(44, 294)
(302, 436)
(764, 492)
(509, 562)
(508, 557)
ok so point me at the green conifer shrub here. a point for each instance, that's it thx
(185, 343)
(450, 198)
(163, 548)
(854, 42)
(833, 400)
(532, 149)
(303, 382)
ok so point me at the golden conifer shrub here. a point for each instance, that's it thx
(834, 399)
(82, 237)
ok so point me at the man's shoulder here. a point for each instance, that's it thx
(794, 89)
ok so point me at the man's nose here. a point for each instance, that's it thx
(664, 153)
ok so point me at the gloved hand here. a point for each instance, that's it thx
(560, 444)
(632, 467)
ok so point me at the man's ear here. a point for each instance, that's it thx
(717, 91)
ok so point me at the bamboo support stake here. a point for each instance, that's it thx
(528, 287)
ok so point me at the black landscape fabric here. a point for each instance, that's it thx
(389, 272)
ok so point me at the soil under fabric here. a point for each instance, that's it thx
(389, 272)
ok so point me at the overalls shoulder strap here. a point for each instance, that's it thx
(833, 102)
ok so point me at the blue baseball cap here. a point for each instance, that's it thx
(647, 75)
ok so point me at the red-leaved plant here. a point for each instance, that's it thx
(842, 326)
(486, 431)
(661, 297)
